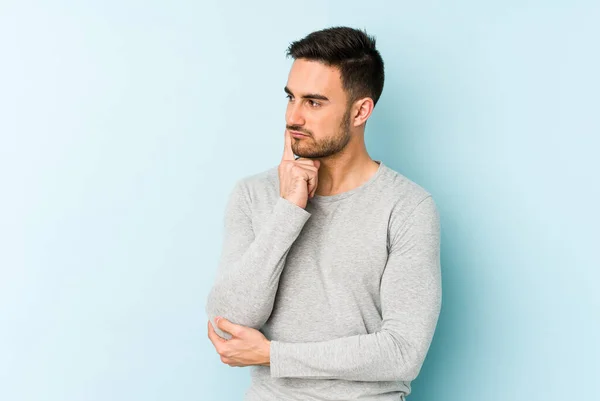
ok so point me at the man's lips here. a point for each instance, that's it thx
(297, 134)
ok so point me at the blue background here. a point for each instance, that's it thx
(124, 125)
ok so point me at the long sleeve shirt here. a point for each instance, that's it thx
(348, 289)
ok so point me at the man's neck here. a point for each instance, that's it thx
(344, 173)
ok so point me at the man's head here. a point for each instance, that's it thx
(334, 83)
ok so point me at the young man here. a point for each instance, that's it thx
(329, 282)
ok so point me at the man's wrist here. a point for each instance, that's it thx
(267, 360)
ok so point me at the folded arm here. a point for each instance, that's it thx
(410, 300)
(251, 263)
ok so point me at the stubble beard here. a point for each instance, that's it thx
(328, 146)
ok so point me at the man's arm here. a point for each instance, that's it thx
(251, 263)
(410, 300)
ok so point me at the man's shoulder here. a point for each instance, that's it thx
(406, 197)
(402, 190)
(261, 186)
(263, 178)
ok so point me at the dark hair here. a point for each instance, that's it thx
(352, 51)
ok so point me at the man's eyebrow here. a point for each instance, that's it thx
(307, 95)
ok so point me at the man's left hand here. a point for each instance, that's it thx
(246, 347)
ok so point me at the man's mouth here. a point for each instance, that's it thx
(297, 134)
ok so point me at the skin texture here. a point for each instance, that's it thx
(332, 159)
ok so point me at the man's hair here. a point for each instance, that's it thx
(352, 51)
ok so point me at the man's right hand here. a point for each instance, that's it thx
(298, 179)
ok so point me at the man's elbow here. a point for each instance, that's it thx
(238, 312)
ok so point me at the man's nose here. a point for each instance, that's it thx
(294, 115)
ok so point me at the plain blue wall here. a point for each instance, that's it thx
(124, 125)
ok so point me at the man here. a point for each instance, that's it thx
(329, 282)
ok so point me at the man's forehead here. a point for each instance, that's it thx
(313, 76)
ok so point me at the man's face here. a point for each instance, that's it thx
(318, 107)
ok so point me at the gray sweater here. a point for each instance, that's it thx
(348, 290)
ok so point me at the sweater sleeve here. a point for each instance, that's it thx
(251, 263)
(410, 294)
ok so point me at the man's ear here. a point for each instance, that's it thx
(362, 110)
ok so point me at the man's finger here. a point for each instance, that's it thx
(228, 327)
(288, 153)
(213, 336)
(305, 161)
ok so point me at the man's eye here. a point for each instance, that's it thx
(313, 103)
(289, 97)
